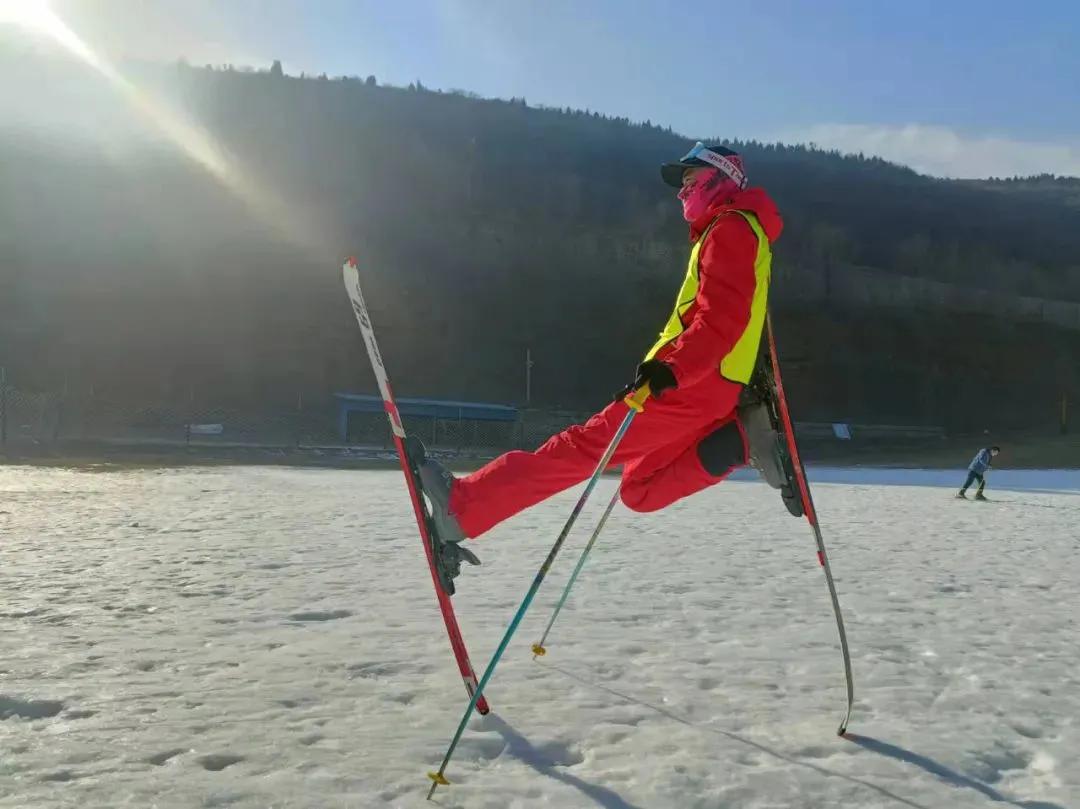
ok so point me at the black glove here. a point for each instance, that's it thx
(658, 375)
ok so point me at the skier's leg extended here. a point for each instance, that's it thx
(518, 480)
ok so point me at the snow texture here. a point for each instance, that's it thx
(257, 637)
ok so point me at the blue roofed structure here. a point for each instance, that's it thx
(427, 409)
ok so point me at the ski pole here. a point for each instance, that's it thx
(636, 403)
(538, 649)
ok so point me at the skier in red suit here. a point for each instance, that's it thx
(690, 434)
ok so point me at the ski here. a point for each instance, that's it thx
(787, 429)
(351, 274)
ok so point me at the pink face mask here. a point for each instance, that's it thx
(699, 195)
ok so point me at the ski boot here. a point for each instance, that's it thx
(768, 451)
(447, 538)
(980, 496)
(961, 495)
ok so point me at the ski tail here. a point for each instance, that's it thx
(811, 516)
(351, 274)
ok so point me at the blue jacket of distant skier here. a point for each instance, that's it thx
(981, 462)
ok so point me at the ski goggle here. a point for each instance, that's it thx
(727, 166)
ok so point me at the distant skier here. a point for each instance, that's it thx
(977, 471)
(690, 435)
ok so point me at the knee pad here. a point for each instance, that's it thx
(722, 450)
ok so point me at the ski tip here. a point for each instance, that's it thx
(842, 732)
(351, 261)
(438, 778)
(538, 650)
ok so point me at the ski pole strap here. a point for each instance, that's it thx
(636, 400)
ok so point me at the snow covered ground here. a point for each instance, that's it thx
(255, 637)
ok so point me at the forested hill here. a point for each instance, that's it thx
(486, 226)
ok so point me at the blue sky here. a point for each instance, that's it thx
(958, 88)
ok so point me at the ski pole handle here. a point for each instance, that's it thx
(636, 400)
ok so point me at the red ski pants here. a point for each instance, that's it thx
(659, 456)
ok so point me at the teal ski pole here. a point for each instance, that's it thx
(636, 402)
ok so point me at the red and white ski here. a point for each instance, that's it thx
(787, 428)
(351, 275)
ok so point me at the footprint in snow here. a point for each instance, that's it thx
(1028, 731)
(319, 615)
(215, 762)
(60, 776)
(374, 670)
(159, 759)
(13, 707)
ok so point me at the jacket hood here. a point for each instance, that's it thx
(755, 200)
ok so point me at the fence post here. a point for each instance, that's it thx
(58, 415)
(190, 415)
(3, 407)
(87, 410)
(298, 426)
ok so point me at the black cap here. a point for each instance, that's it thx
(673, 172)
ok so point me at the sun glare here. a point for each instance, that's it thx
(27, 13)
(35, 16)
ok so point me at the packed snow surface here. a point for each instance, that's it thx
(257, 637)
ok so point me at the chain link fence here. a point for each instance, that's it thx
(43, 419)
(88, 425)
(464, 436)
(28, 417)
